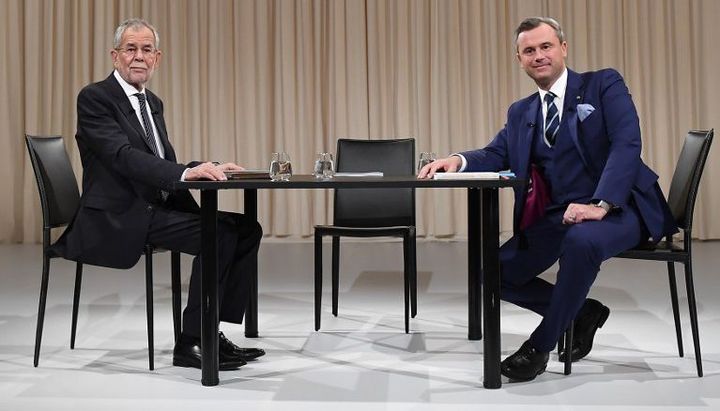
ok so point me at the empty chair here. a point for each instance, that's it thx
(371, 212)
(59, 199)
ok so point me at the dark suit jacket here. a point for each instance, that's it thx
(607, 140)
(121, 178)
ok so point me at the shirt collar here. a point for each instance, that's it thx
(558, 88)
(127, 88)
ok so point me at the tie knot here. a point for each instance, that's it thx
(549, 97)
(140, 96)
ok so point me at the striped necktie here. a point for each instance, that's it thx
(552, 119)
(149, 135)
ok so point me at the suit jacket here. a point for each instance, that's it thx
(607, 141)
(122, 178)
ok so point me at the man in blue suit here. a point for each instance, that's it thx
(579, 137)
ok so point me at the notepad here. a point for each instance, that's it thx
(481, 175)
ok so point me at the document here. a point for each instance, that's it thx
(361, 174)
(481, 175)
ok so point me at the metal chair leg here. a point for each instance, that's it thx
(406, 279)
(176, 293)
(76, 303)
(413, 274)
(693, 315)
(149, 306)
(675, 308)
(41, 307)
(568, 352)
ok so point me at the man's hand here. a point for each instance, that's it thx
(448, 164)
(210, 171)
(577, 213)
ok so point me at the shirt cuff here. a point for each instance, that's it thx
(464, 161)
(182, 177)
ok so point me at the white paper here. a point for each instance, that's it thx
(480, 175)
(365, 174)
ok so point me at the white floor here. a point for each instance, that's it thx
(361, 360)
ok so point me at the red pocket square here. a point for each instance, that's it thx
(536, 200)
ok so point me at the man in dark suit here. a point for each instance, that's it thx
(580, 133)
(128, 200)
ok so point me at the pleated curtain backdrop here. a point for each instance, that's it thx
(241, 79)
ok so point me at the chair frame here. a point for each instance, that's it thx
(670, 252)
(407, 233)
(51, 221)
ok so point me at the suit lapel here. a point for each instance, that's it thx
(573, 97)
(530, 127)
(160, 124)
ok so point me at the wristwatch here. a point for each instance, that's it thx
(604, 205)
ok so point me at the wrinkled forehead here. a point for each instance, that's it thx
(537, 36)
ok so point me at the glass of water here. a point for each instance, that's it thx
(280, 167)
(425, 159)
(324, 166)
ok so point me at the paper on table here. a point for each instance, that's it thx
(362, 174)
(247, 174)
(480, 175)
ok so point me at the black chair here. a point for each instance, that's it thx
(371, 212)
(59, 199)
(681, 199)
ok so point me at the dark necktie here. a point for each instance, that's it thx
(552, 119)
(149, 135)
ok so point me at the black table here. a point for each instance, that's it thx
(483, 245)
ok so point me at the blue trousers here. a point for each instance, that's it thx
(579, 248)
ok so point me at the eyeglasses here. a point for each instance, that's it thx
(133, 51)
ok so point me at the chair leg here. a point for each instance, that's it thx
(676, 310)
(41, 307)
(176, 292)
(568, 343)
(335, 274)
(318, 278)
(76, 304)
(413, 274)
(693, 315)
(406, 278)
(149, 306)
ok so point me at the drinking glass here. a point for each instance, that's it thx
(280, 167)
(425, 159)
(324, 166)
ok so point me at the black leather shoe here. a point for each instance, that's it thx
(525, 364)
(592, 316)
(229, 349)
(187, 353)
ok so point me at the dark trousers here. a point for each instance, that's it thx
(238, 242)
(579, 248)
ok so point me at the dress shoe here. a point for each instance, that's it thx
(525, 364)
(229, 349)
(592, 316)
(187, 353)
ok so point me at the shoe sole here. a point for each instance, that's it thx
(222, 367)
(515, 378)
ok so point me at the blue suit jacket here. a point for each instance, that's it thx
(608, 144)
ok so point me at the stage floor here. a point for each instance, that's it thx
(361, 360)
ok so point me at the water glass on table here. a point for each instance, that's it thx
(324, 166)
(280, 167)
(425, 159)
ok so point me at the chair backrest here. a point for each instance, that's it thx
(686, 179)
(59, 194)
(375, 207)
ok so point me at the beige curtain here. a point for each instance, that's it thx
(241, 79)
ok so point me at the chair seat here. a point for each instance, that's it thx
(394, 231)
(662, 251)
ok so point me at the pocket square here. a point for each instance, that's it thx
(584, 110)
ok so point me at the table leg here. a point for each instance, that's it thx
(209, 288)
(251, 311)
(491, 287)
(474, 267)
